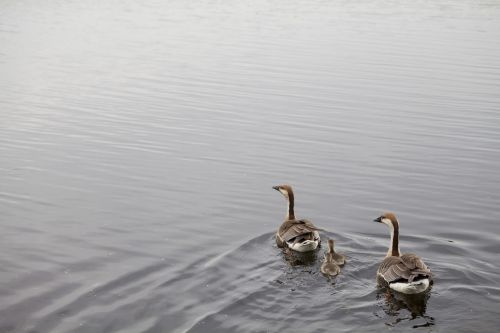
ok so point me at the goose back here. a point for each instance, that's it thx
(293, 228)
(407, 267)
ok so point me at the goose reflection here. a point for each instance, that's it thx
(416, 304)
(295, 258)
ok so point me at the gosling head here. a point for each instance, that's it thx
(286, 190)
(330, 246)
(387, 218)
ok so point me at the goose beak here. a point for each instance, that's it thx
(277, 188)
(378, 219)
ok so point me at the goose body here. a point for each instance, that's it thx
(332, 261)
(330, 268)
(299, 235)
(337, 258)
(405, 273)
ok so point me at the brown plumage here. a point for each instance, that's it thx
(329, 265)
(397, 268)
(292, 230)
(335, 257)
(329, 268)
(407, 267)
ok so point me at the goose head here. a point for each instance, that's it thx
(391, 221)
(286, 190)
(387, 218)
(330, 246)
(329, 253)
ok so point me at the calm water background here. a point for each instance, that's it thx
(139, 141)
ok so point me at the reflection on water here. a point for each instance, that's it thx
(402, 307)
(301, 258)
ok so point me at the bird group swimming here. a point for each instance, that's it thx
(405, 273)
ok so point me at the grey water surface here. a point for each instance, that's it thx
(139, 141)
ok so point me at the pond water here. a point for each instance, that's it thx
(140, 140)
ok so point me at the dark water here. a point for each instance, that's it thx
(139, 141)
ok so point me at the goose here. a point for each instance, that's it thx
(405, 273)
(330, 264)
(338, 258)
(298, 235)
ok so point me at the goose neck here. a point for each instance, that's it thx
(290, 214)
(394, 246)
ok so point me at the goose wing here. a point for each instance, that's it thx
(339, 258)
(293, 228)
(416, 265)
(329, 268)
(406, 267)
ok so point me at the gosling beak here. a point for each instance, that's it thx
(378, 219)
(277, 188)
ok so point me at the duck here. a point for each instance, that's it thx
(405, 273)
(330, 265)
(298, 235)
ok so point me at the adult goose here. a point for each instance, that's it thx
(298, 235)
(405, 273)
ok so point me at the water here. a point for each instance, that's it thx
(139, 141)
